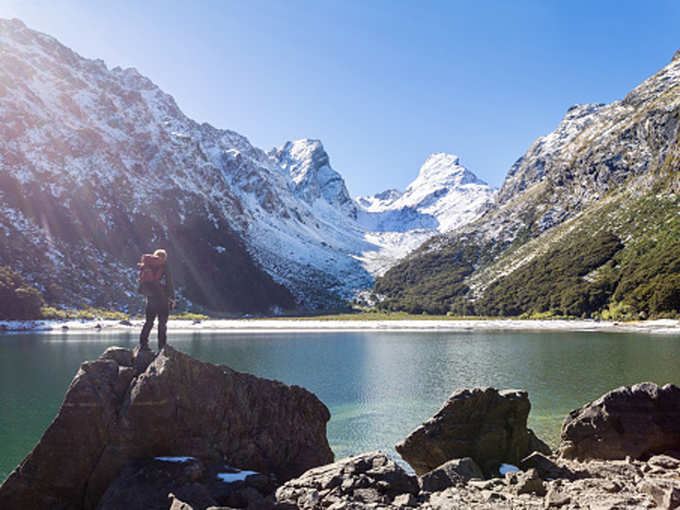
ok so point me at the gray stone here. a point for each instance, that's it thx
(529, 483)
(404, 500)
(636, 421)
(449, 474)
(665, 493)
(361, 480)
(177, 504)
(664, 462)
(482, 423)
(261, 482)
(556, 499)
(124, 357)
(545, 467)
(537, 445)
(368, 495)
(671, 498)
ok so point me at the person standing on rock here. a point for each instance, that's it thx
(155, 282)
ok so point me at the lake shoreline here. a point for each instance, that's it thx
(661, 326)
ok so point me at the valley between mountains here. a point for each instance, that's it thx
(98, 165)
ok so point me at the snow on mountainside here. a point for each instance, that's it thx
(102, 162)
(444, 196)
(105, 158)
(312, 177)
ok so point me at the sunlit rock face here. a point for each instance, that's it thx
(311, 175)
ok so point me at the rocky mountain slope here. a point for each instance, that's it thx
(99, 165)
(606, 171)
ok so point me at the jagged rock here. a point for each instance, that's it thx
(636, 421)
(146, 485)
(178, 504)
(536, 444)
(482, 423)
(404, 500)
(666, 494)
(449, 474)
(368, 478)
(529, 483)
(176, 406)
(556, 499)
(124, 357)
(664, 462)
(545, 467)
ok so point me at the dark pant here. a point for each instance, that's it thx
(155, 308)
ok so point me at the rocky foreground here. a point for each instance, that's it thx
(144, 431)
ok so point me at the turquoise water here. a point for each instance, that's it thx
(378, 385)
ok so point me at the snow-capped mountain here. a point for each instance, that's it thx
(444, 195)
(98, 165)
(311, 176)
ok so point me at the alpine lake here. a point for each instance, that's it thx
(378, 385)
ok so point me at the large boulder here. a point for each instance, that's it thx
(637, 421)
(488, 425)
(126, 406)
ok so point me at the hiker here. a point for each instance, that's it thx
(156, 284)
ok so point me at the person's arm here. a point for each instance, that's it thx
(169, 289)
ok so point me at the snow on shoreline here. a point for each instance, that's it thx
(662, 326)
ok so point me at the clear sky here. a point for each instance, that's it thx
(381, 83)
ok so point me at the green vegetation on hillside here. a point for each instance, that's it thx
(618, 260)
(429, 283)
(554, 282)
(18, 300)
(85, 314)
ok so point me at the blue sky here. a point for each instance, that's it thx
(381, 83)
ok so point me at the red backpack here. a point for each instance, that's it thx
(150, 273)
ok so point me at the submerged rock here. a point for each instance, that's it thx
(126, 406)
(488, 425)
(631, 421)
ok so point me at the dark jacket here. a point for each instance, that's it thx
(160, 291)
(166, 284)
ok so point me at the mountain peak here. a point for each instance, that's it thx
(311, 176)
(307, 151)
(444, 169)
(676, 56)
(12, 23)
(443, 156)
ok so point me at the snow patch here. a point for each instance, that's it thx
(239, 476)
(507, 468)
